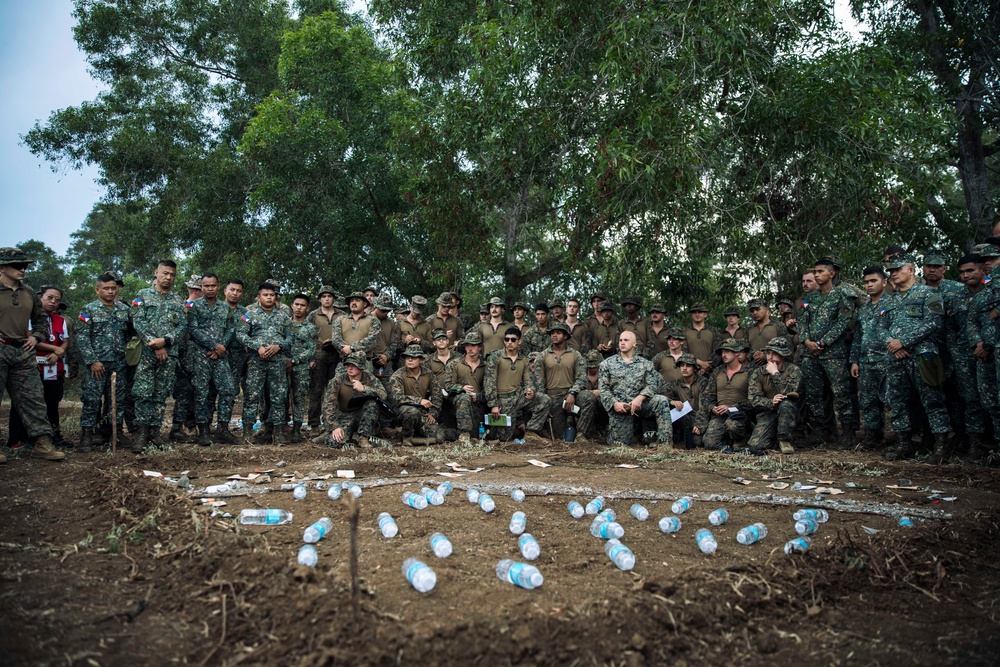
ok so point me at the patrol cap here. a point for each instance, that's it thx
(414, 351)
(194, 282)
(473, 338)
(417, 303)
(445, 300)
(115, 277)
(675, 332)
(832, 260)
(632, 299)
(753, 304)
(658, 308)
(274, 281)
(326, 289)
(688, 358)
(900, 259)
(935, 258)
(438, 333)
(593, 359)
(544, 307)
(732, 345)
(556, 303)
(697, 307)
(14, 256)
(496, 301)
(522, 305)
(983, 250)
(559, 326)
(781, 345)
(383, 303)
(372, 289)
(356, 359)
(732, 310)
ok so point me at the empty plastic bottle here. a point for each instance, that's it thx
(517, 495)
(751, 533)
(420, 576)
(817, 515)
(529, 546)
(718, 517)
(639, 512)
(607, 514)
(333, 492)
(620, 555)
(472, 495)
(440, 545)
(444, 488)
(670, 524)
(517, 523)
(414, 500)
(299, 492)
(353, 488)
(482, 432)
(320, 486)
(595, 505)
(906, 521)
(607, 530)
(387, 525)
(575, 509)
(486, 502)
(432, 496)
(706, 541)
(799, 545)
(268, 517)
(307, 555)
(681, 505)
(806, 526)
(256, 426)
(519, 574)
(317, 531)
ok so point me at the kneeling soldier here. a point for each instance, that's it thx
(774, 390)
(350, 405)
(416, 396)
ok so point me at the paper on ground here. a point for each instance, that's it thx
(540, 464)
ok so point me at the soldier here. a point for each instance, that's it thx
(687, 388)
(579, 334)
(981, 339)
(627, 384)
(561, 373)
(492, 330)
(725, 403)
(658, 331)
(301, 361)
(604, 335)
(484, 313)
(357, 331)
(774, 389)
(371, 293)
(870, 360)
(463, 380)
(160, 321)
(510, 389)
(265, 333)
(446, 319)
(520, 312)
(350, 404)
(413, 330)
(634, 322)
(667, 363)
(599, 424)
(700, 339)
(536, 338)
(733, 328)
(183, 415)
(762, 330)
(416, 396)
(212, 330)
(557, 311)
(18, 371)
(443, 355)
(387, 344)
(326, 355)
(963, 363)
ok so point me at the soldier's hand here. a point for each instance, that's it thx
(620, 407)
(426, 403)
(772, 367)
(381, 360)
(570, 402)
(158, 343)
(495, 412)
(855, 371)
(312, 365)
(29, 344)
(357, 385)
(51, 358)
(97, 370)
(219, 350)
(677, 405)
(901, 354)
(161, 354)
(778, 398)
(345, 349)
(813, 347)
(636, 403)
(894, 346)
(696, 430)
(430, 419)
(980, 352)
(262, 352)
(758, 356)
(337, 434)
(529, 393)
(720, 410)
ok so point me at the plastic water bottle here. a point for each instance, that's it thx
(706, 541)
(308, 555)
(486, 503)
(444, 488)
(620, 555)
(482, 432)
(517, 495)
(595, 505)
(353, 488)
(268, 517)
(576, 509)
(681, 505)
(607, 514)
(718, 517)
(817, 515)
(639, 512)
(569, 435)
(414, 500)
(256, 426)
(518, 523)
(387, 525)
(806, 526)
(432, 496)
(420, 576)
(529, 546)
(317, 531)
(906, 521)
(670, 524)
(299, 492)
(799, 545)
(333, 492)
(472, 495)
(751, 533)
(440, 545)
(607, 530)
(519, 574)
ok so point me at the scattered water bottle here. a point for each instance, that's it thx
(486, 502)
(353, 488)
(751, 533)
(529, 546)
(387, 525)
(607, 530)
(706, 541)
(595, 505)
(576, 509)
(681, 505)
(472, 495)
(420, 576)
(308, 555)
(517, 523)
(806, 526)
(718, 517)
(414, 500)
(299, 492)
(620, 555)
(216, 489)
(517, 495)
(440, 545)
(432, 496)
(670, 524)
(906, 521)
(607, 514)
(333, 492)
(317, 531)
(639, 512)
(268, 517)
(817, 515)
(444, 488)
(482, 432)
(799, 545)
(519, 574)
(321, 486)
(256, 426)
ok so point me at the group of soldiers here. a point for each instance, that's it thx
(907, 359)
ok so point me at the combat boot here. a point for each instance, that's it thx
(296, 433)
(141, 439)
(872, 440)
(44, 449)
(904, 448)
(177, 433)
(224, 436)
(264, 435)
(786, 447)
(123, 440)
(364, 442)
(156, 436)
(86, 440)
(280, 435)
(941, 450)
(847, 440)
(204, 435)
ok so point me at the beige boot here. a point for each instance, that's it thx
(786, 447)
(44, 449)
(3, 459)
(364, 442)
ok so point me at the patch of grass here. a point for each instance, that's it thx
(353, 455)
(453, 451)
(859, 468)
(626, 452)
(742, 461)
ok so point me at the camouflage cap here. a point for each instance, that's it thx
(697, 307)
(598, 295)
(417, 303)
(559, 326)
(326, 289)
(438, 333)
(732, 310)
(445, 299)
(339, 303)
(532, 357)
(274, 281)
(383, 303)
(753, 304)
(473, 338)
(675, 332)
(556, 302)
(522, 304)
(404, 309)
(658, 308)
(632, 299)
(982, 250)
(785, 302)
(781, 345)
(900, 259)
(832, 260)
(194, 282)
(688, 358)
(14, 256)
(732, 345)
(414, 351)
(356, 295)
(607, 305)
(371, 288)
(117, 278)
(496, 301)
(594, 359)
(356, 359)
(485, 309)
(935, 258)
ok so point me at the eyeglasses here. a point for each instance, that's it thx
(510, 339)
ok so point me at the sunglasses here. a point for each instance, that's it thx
(19, 266)
(511, 339)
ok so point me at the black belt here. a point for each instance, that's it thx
(15, 342)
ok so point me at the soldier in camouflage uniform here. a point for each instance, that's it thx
(160, 322)
(592, 359)
(604, 333)
(688, 388)
(667, 363)
(264, 331)
(357, 331)
(446, 319)
(762, 330)
(981, 339)
(184, 414)
(326, 356)
(492, 330)
(300, 363)
(628, 383)
(701, 340)
(212, 331)
(976, 417)
(658, 331)
(463, 380)
(725, 403)
(237, 354)
(634, 322)
(416, 397)
(911, 322)
(510, 389)
(536, 337)
(870, 360)
(352, 385)
(561, 373)
(101, 336)
(774, 389)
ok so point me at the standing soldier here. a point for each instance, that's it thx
(265, 333)
(416, 396)
(300, 363)
(579, 334)
(492, 330)
(413, 329)
(350, 405)
(658, 331)
(733, 328)
(536, 338)
(183, 415)
(326, 355)
(557, 310)
(634, 322)
(774, 389)
(446, 319)
(627, 384)
(463, 380)
(237, 354)
(762, 330)
(870, 360)
(700, 339)
(357, 331)
(604, 335)
(387, 344)
(520, 312)
(982, 339)
(212, 330)
(510, 388)
(561, 373)
(971, 273)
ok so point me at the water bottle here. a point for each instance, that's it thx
(906, 521)
(595, 505)
(718, 517)
(670, 524)
(517, 495)
(432, 496)
(419, 575)
(607, 514)
(308, 555)
(472, 495)
(353, 488)
(486, 502)
(529, 546)
(268, 517)
(299, 492)
(620, 555)
(517, 523)
(519, 574)
(817, 515)
(607, 530)
(317, 531)
(639, 512)
(681, 505)
(333, 492)
(706, 541)
(387, 525)
(482, 433)
(799, 545)
(444, 488)
(806, 526)
(256, 426)
(751, 533)
(440, 545)
(575, 509)
(320, 486)
(414, 500)
(569, 435)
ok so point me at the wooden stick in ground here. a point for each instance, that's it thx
(352, 515)
(114, 412)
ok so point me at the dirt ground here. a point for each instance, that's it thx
(101, 565)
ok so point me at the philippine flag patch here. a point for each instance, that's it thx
(136, 301)
(188, 304)
(246, 318)
(85, 318)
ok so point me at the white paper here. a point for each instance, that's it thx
(676, 414)
(346, 474)
(575, 410)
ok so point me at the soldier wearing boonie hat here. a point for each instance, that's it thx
(774, 390)
(384, 352)
(604, 334)
(634, 322)
(687, 388)
(446, 319)
(733, 328)
(326, 357)
(557, 310)
(416, 396)
(667, 362)
(492, 330)
(358, 330)
(442, 354)
(350, 403)
(561, 372)
(656, 331)
(520, 311)
(700, 339)
(725, 402)
(414, 329)
(763, 329)
(463, 380)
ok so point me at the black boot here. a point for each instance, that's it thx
(177, 433)
(123, 440)
(872, 440)
(141, 439)
(86, 440)
(904, 448)
(296, 433)
(224, 436)
(940, 453)
(847, 440)
(204, 435)
(264, 435)
(280, 435)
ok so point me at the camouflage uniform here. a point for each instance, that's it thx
(774, 420)
(258, 328)
(621, 381)
(156, 315)
(682, 392)
(211, 325)
(468, 412)
(406, 392)
(101, 336)
(735, 392)
(557, 393)
(237, 352)
(535, 340)
(869, 353)
(351, 332)
(517, 374)
(303, 335)
(961, 395)
(326, 357)
(337, 411)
